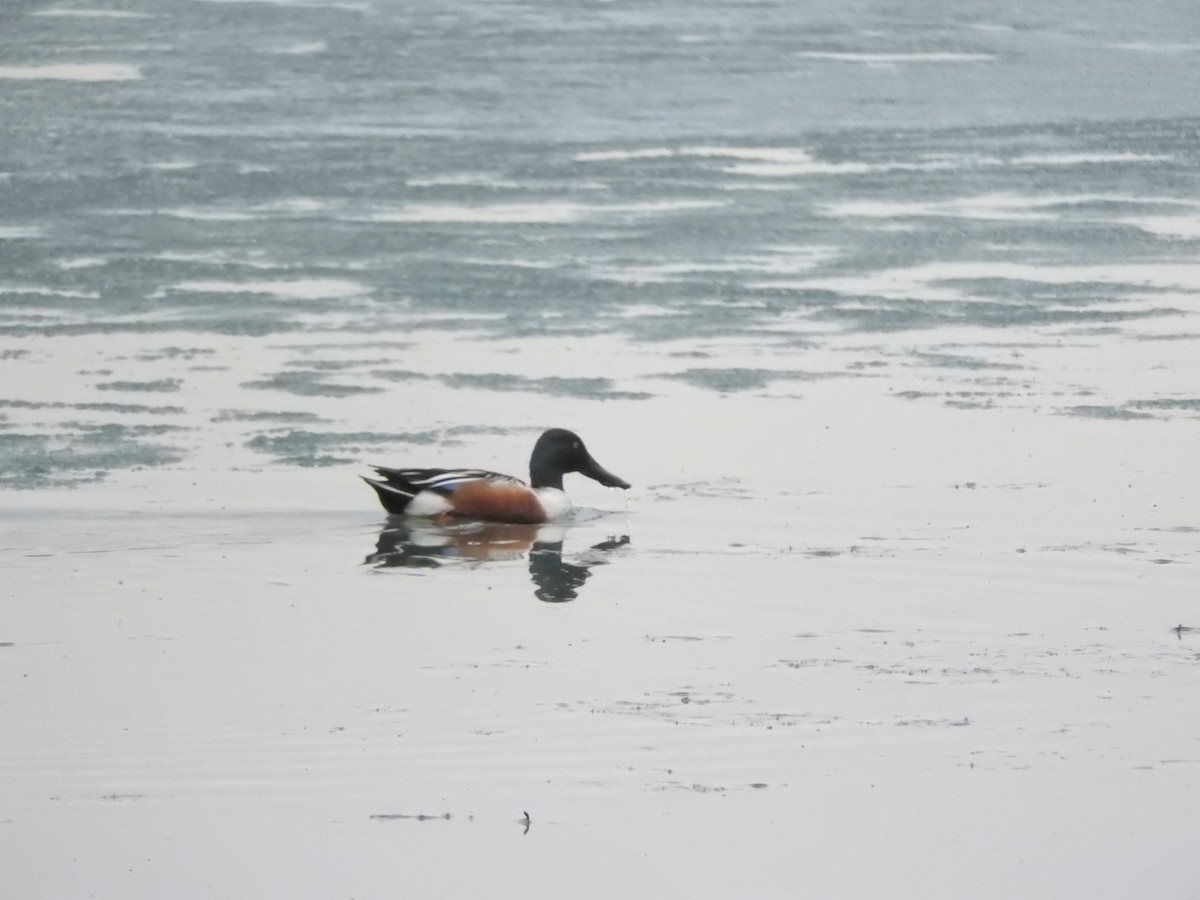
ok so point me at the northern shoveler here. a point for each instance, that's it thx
(479, 494)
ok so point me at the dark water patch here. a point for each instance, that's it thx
(1176, 336)
(315, 462)
(594, 388)
(403, 375)
(317, 448)
(109, 431)
(184, 353)
(870, 314)
(1191, 404)
(335, 365)
(132, 408)
(310, 384)
(225, 322)
(461, 430)
(158, 386)
(1101, 411)
(955, 403)
(589, 388)
(237, 415)
(955, 361)
(669, 318)
(1069, 293)
(322, 346)
(733, 380)
(863, 365)
(67, 460)
(13, 354)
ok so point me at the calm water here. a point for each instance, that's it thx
(888, 311)
(944, 195)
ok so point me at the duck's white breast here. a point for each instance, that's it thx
(555, 502)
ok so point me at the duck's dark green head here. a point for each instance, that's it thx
(558, 452)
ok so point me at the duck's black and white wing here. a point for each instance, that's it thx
(398, 488)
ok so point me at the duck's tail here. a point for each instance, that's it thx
(394, 493)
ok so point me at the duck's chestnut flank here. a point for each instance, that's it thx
(481, 494)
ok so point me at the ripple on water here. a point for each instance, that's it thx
(310, 384)
(591, 388)
(318, 448)
(79, 453)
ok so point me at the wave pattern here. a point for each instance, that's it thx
(364, 170)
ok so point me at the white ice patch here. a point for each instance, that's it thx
(73, 72)
(813, 166)
(291, 206)
(172, 165)
(81, 262)
(465, 179)
(789, 162)
(494, 214)
(1085, 159)
(47, 291)
(548, 213)
(894, 59)
(298, 289)
(804, 164)
(19, 232)
(773, 261)
(624, 155)
(1186, 227)
(302, 48)
(204, 215)
(990, 207)
(929, 282)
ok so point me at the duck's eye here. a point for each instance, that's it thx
(575, 445)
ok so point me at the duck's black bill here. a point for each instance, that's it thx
(597, 472)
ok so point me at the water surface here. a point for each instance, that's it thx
(887, 312)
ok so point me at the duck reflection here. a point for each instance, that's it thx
(428, 545)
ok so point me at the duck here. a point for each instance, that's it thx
(491, 496)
